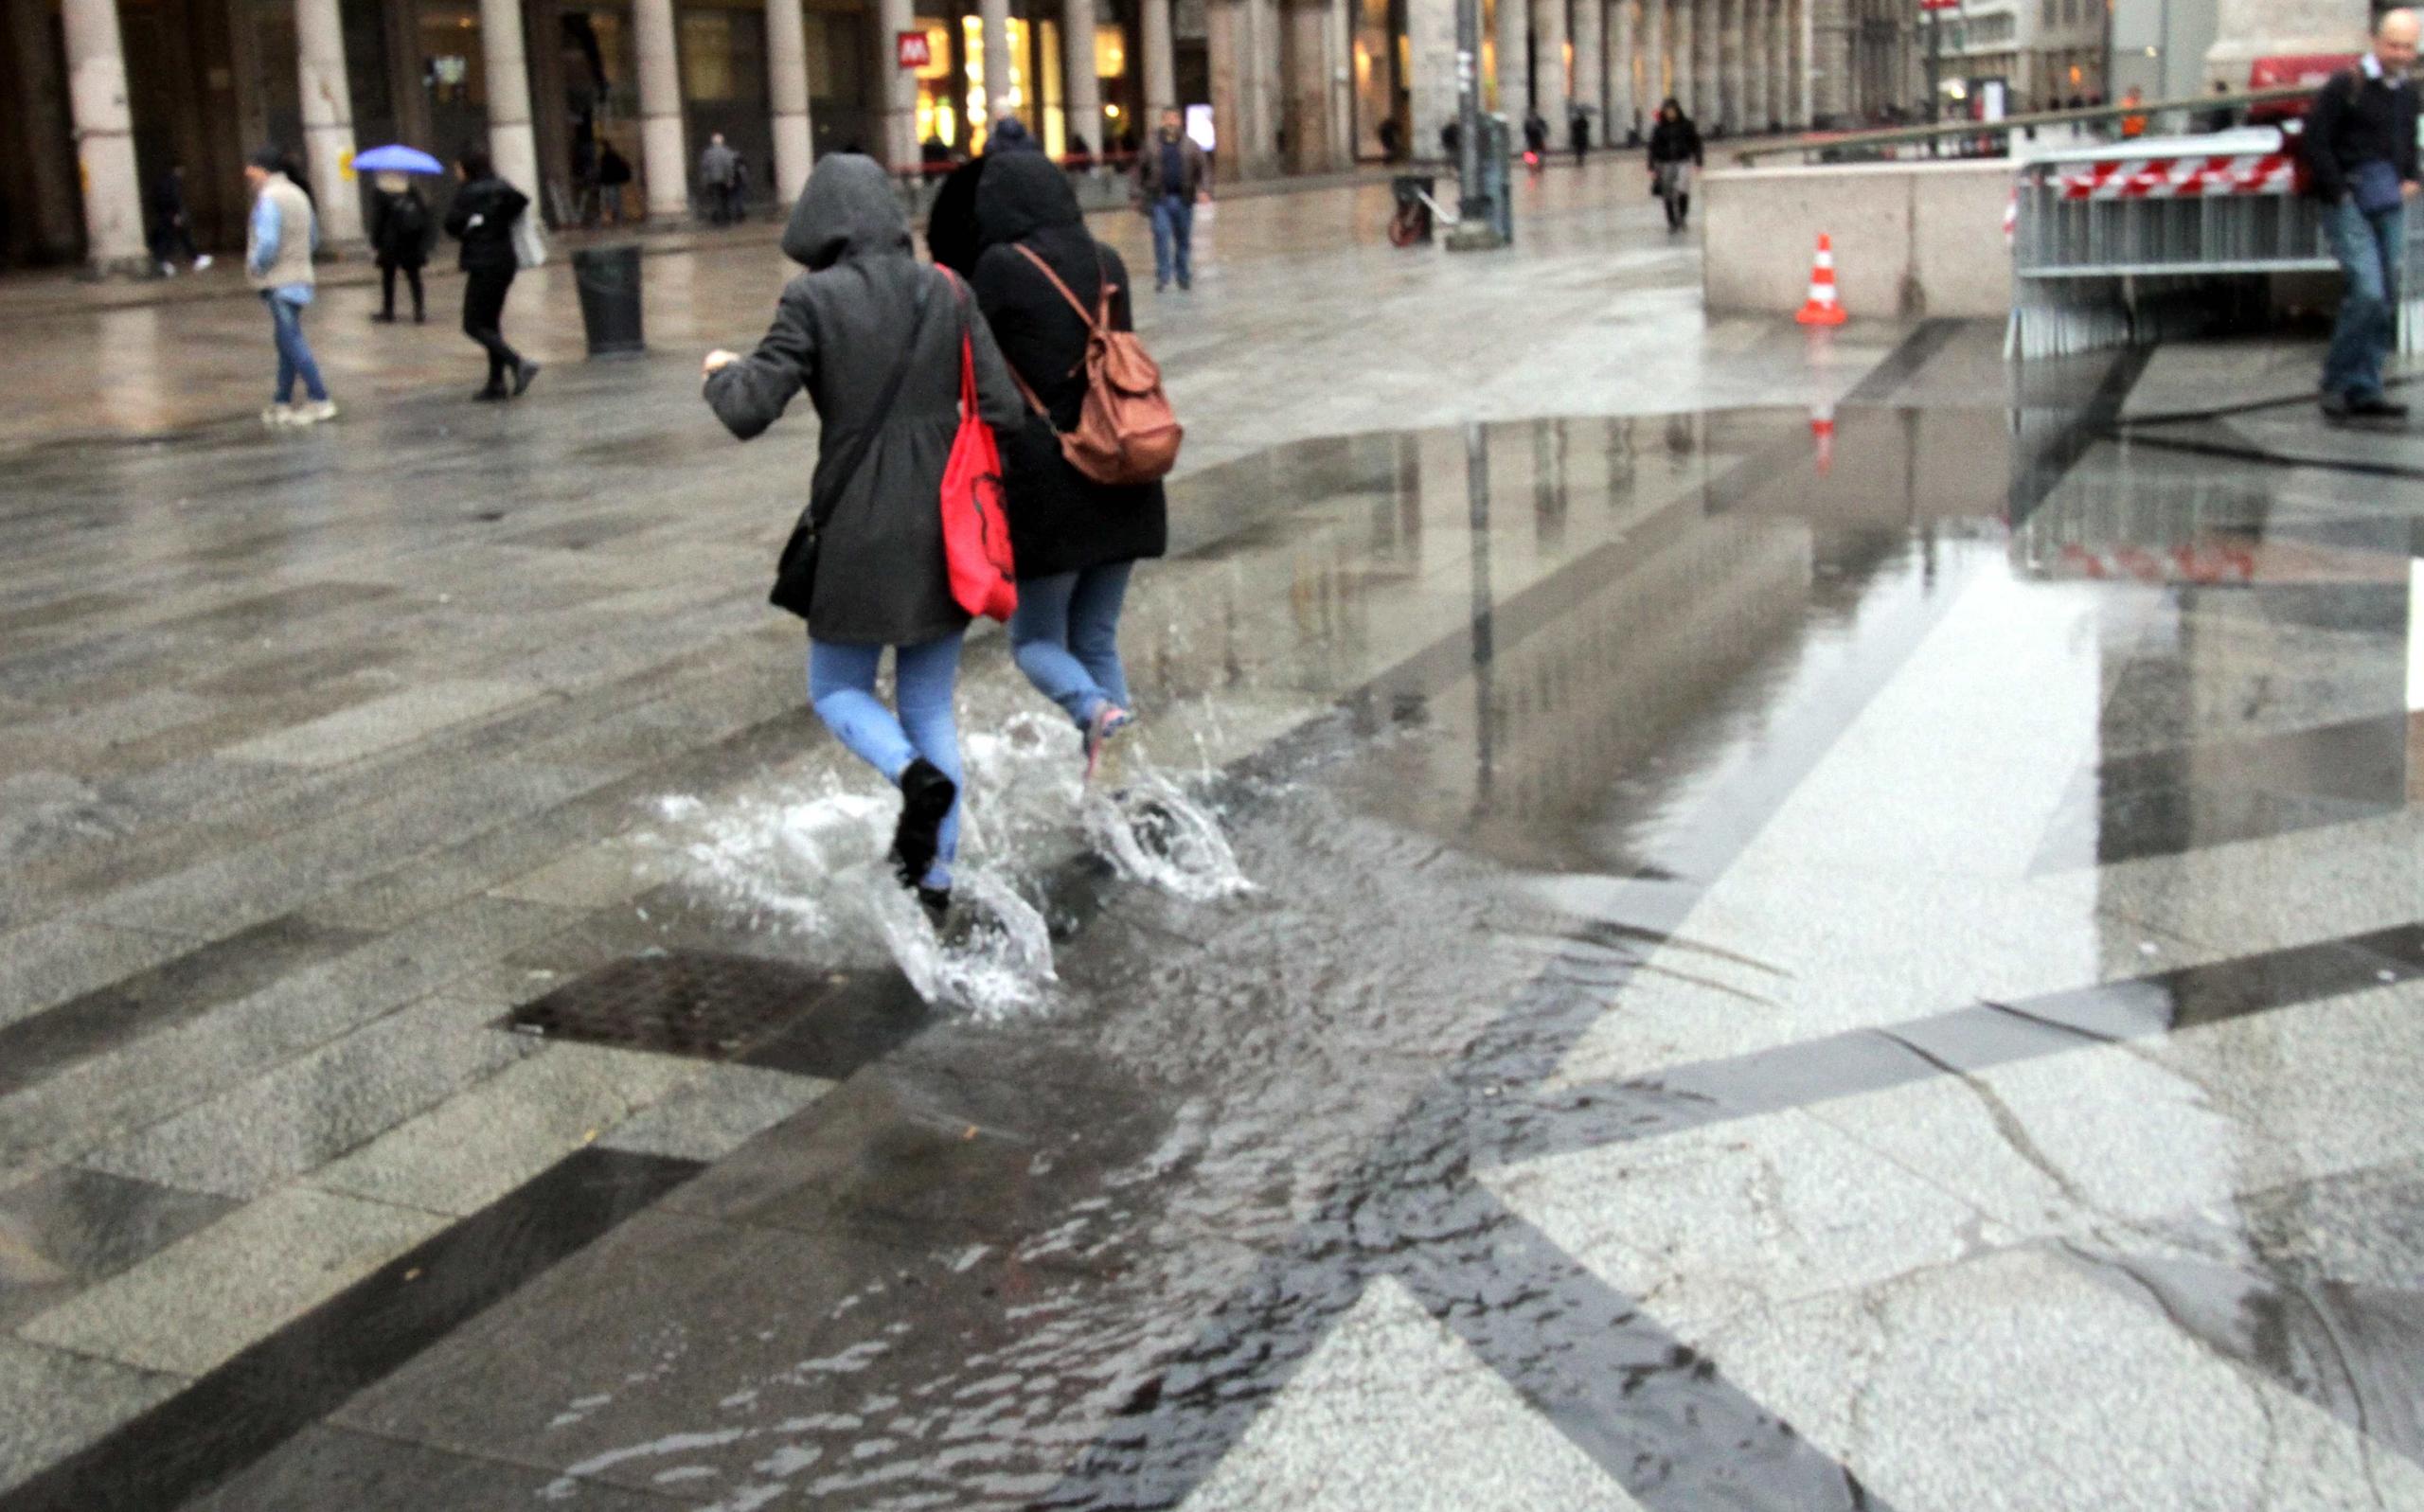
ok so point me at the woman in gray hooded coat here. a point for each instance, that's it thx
(874, 337)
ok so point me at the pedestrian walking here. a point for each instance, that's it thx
(1536, 140)
(614, 176)
(2359, 145)
(278, 244)
(720, 175)
(399, 231)
(1169, 175)
(1391, 136)
(875, 339)
(1076, 541)
(1578, 135)
(1674, 159)
(482, 219)
(172, 229)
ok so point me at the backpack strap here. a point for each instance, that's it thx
(1094, 319)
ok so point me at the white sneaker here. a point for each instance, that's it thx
(168, 270)
(202, 263)
(314, 411)
(279, 415)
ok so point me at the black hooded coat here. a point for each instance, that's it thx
(1060, 520)
(840, 331)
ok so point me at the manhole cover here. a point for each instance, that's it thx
(683, 1002)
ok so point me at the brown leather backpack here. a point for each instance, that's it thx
(1125, 431)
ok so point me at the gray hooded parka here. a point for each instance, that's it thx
(839, 332)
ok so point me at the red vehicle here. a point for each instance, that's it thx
(2307, 71)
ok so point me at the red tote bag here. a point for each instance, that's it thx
(977, 524)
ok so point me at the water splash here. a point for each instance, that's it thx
(994, 957)
(1153, 831)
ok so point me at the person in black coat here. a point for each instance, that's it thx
(1675, 154)
(866, 317)
(1076, 541)
(399, 226)
(482, 219)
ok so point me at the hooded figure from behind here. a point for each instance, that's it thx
(840, 329)
(875, 338)
(1075, 539)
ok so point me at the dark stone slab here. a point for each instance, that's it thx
(169, 994)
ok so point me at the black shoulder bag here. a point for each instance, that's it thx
(796, 572)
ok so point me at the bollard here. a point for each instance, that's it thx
(608, 280)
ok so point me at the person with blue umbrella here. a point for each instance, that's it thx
(400, 223)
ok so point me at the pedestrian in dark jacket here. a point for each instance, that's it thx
(173, 229)
(950, 221)
(1170, 173)
(399, 227)
(2360, 145)
(482, 219)
(1674, 158)
(614, 176)
(865, 314)
(1076, 541)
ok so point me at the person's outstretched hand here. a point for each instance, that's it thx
(716, 362)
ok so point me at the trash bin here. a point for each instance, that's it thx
(609, 279)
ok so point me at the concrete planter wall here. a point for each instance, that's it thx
(1911, 239)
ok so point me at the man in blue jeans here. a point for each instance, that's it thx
(2360, 147)
(1169, 175)
(277, 262)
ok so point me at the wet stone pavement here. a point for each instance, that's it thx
(1647, 956)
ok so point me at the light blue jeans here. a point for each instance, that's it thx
(841, 685)
(1065, 638)
(2368, 245)
(294, 354)
(1174, 239)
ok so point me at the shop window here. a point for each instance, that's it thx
(937, 119)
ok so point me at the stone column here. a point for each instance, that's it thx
(1514, 45)
(1305, 77)
(787, 94)
(1622, 38)
(328, 121)
(1682, 83)
(1827, 27)
(1549, 91)
(1804, 66)
(1240, 37)
(1709, 29)
(1759, 30)
(897, 88)
(1161, 66)
(1082, 87)
(1591, 63)
(511, 146)
(996, 33)
(1431, 49)
(1733, 57)
(104, 137)
(1650, 89)
(662, 155)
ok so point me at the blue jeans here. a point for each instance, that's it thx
(1066, 636)
(2368, 247)
(294, 352)
(1174, 239)
(841, 683)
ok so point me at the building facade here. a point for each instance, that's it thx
(114, 93)
(2045, 53)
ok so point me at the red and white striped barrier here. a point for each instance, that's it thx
(2169, 178)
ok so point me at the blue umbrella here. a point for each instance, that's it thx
(397, 159)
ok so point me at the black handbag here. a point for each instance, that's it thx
(795, 569)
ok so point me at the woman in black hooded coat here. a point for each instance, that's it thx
(1076, 539)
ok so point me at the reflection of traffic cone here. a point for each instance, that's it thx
(1822, 309)
(1822, 429)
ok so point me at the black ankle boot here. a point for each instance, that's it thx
(926, 797)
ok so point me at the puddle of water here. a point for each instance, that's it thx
(806, 860)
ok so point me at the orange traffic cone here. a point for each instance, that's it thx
(1822, 309)
(1822, 429)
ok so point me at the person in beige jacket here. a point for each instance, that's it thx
(278, 260)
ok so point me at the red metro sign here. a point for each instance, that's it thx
(914, 51)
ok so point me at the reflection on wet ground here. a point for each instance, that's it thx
(1782, 970)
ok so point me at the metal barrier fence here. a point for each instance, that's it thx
(2141, 241)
